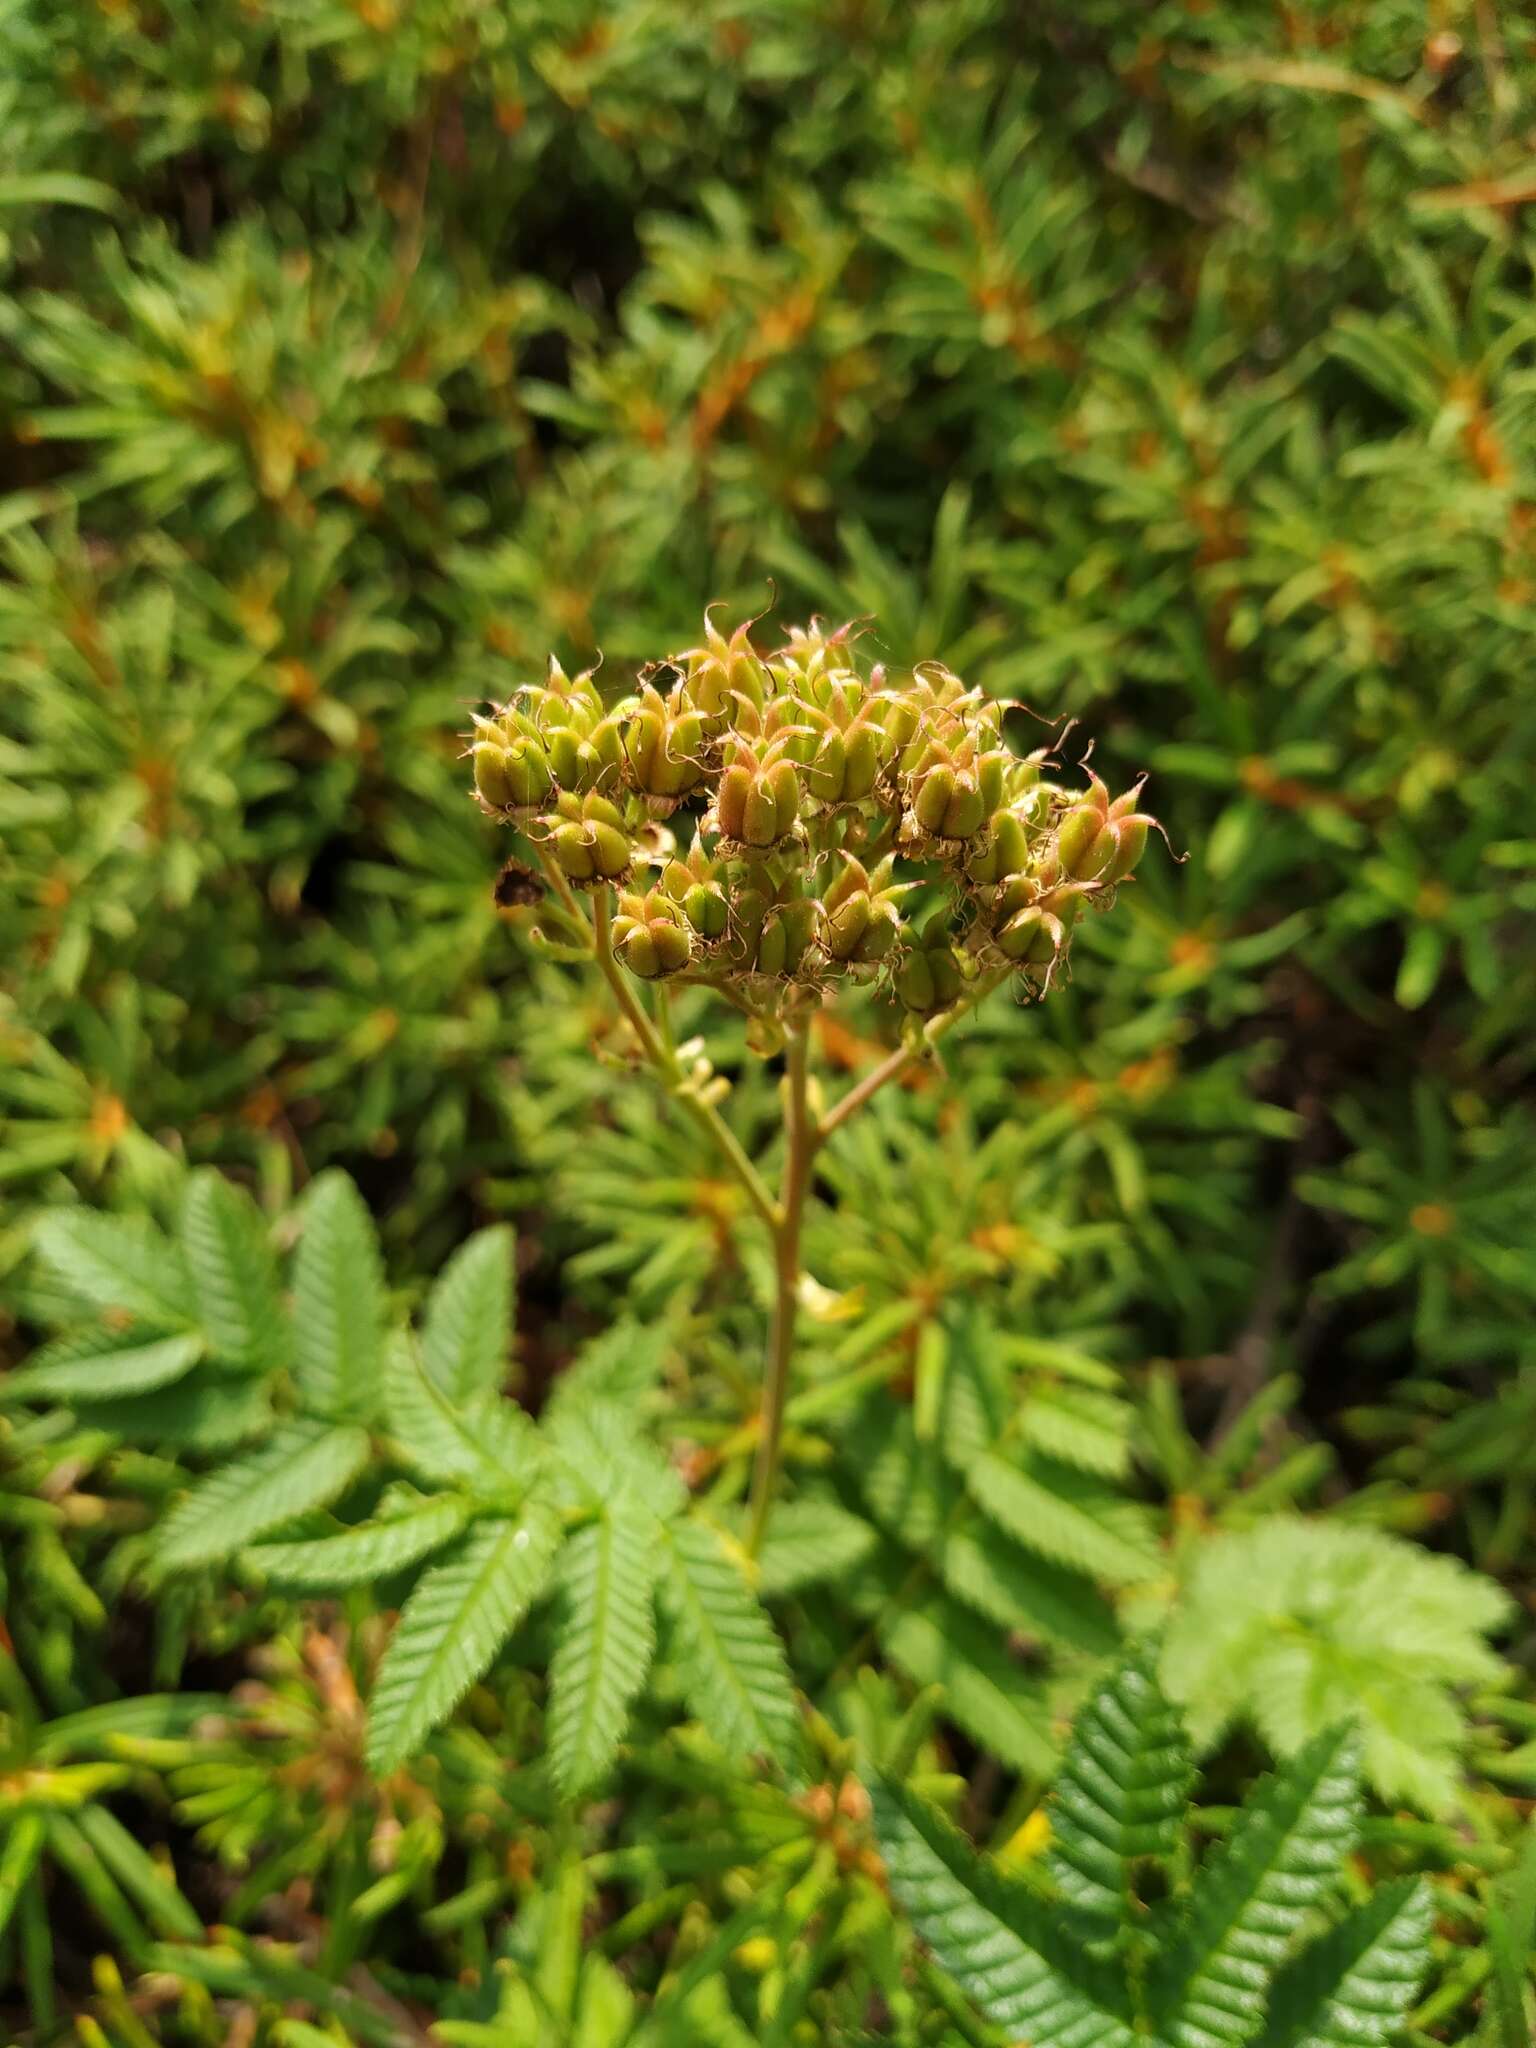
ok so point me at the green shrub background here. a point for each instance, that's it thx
(1167, 367)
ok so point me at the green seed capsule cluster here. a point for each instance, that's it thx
(783, 822)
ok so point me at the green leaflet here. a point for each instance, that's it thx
(618, 1367)
(1353, 1988)
(338, 1303)
(100, 1364)
(603, 1454)
(605, 1641)
(1120, 1795)
(366, 1553)
(727, 1650)
(302, 1465)
(997, 1942)
(987, 1692)
(1066, 1518)
(996, 1577)
(452, 1626)
(809, 1541)
(467, 1330)
(1294, 1624)
(116, 1262)
(141, 1877)
(25, 1839)
(910, 1491)
(234, 1275)
(1251, 1897)
(487, 1445)
(207, 1411)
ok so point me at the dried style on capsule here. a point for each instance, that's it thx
(779, 822)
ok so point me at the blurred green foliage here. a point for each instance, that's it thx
(1167, 367)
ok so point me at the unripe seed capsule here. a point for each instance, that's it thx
(491, 778)
(671, 943)
(965, 813)
(610, 850)
(853, 880)
(901, 720)
(707, 911)
(884, 927)
(1130, 838)
(914, 983)
(573, 851)
(826, 773)
(861, 764)
(1027, 939)
(785, 785)
(989, 780)
(947, 979)
(760, 816)
(931, 802)
(731, 803)
(564, 751)
(528, 776)
(1083, 845)
(846, 927)
(637, 949)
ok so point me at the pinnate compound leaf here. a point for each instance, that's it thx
(460, 1614)
(808, 1541)
(607, 1637)
(1064, 1517)
(371, 1551)
(603, 1455)
(206, 1411)
(994, 1939)
(618, 1367)
(116, 1262)
(1296, 1624)
(728, 1652)
(1210, 1988)
(487, 1446)
(1120, 1795)
(996, 1577)
(99, 1364)
(302, 1466)
(338, 1302)
(1353, 1988)
(467, 1329)
(234, 1274)
(986, 1691)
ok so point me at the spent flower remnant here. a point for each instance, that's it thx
(778, 825)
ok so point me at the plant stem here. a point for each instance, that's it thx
(799, 1151)
(665, 1062)
(895, 1064)
(891, 1068)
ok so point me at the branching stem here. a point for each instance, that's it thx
(666, 1064)
(804, 1135)
(904, 1058)
(799, 1151)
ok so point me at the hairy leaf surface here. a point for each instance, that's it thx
(607, 1635)
(366, 1553)
(234, 1275)
(303, 1465)
(451, 1628)
(994, 1939)
(1120, 1795)
(1253, 1894)
(468, 1325)
(728, 1651)
(338, 1302)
